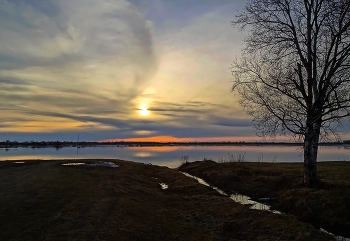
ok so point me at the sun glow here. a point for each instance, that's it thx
(143, 110)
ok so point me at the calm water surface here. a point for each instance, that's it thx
(170, 156)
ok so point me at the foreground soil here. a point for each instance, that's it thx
(326, 206)
(43, 200)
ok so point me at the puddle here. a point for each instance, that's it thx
(163, 185)
(239, 198)
(73, 164)
(103, 164)
(19, 162)
(339, 238)
(95, 164)
(245, 200)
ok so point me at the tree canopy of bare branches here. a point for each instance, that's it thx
(294, 73)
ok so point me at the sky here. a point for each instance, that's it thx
(120, 70)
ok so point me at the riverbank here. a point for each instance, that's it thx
(326, 206)
(45, 200)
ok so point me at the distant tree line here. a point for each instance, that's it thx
(60, 144)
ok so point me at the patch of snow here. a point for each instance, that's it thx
(163, 185)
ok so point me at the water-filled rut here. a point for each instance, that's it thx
(245, 200)
(239, 198)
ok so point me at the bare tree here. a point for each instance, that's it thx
(294, 76)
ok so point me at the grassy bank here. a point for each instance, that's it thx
(43, 200)
(327, 205)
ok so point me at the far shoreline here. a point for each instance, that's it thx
(82, 144)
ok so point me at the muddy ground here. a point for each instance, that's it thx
(327, 205)
(44, 200)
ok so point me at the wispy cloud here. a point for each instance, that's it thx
(87, 66)
(86, 56)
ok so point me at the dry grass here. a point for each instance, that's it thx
(43, 200)
(327, 205)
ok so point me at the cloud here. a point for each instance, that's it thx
(87, 34)
(184, 107)
(90, 57)
(11, 81)
(80, 30)
(88, 65)
(235, 121)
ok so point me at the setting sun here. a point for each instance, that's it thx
(143, 110)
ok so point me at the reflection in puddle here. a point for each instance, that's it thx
(19, 162)
(245, 200)
(95, 164)
(163, 185)
(339, 238)
(103, 164)
(73, 164)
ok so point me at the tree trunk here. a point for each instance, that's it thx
(310, 154)
(316, 130)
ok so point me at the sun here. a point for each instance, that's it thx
(143, 110)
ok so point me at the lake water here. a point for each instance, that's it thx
(170, 155)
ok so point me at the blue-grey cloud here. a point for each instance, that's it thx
(6, 80)
(88, 63)
(44, 33)
(59, 53)
(230, 122)
(175, 14)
